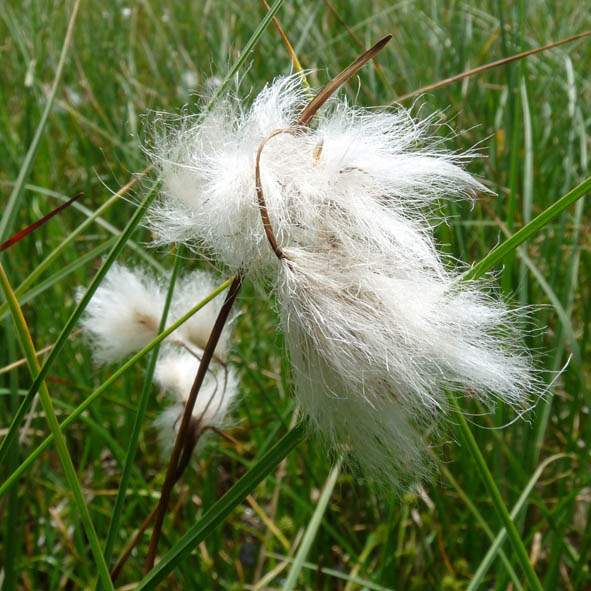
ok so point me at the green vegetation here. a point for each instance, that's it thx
(530, 121)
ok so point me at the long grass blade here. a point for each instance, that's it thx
(497, 544)
(32, 227)
(28, 348)
(138, 421)
(10, 209)
(215, 516)
(485, 67)
(107, 384)
(495, 495)
(245, 53)
(69, 326)
(312, 529)
(496, 255)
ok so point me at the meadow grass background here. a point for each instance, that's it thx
(531, 121)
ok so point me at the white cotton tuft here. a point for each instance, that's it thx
(378, 323)
(175, 373)
(124, 313)
(189, 291)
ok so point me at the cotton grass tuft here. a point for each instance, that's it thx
(123, 317)
(175, 373)
(124, 314)
(378, 322)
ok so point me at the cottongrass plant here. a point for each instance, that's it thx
(123, 317)
(399, 550)
(335, 219)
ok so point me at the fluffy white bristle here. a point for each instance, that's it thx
(175, 373)
(124, 313)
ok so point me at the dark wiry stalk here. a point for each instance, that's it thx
(180, 442)
(26, 231)
(191, 440)
(260, 197)
(485, 67)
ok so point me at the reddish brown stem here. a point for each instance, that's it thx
(350, 71)
(180, 442)
(485, 67)
(188, 447)
(260, 197)
(26, 231)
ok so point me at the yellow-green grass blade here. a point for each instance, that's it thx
(69, 326)
(28, 349)
(312, 529)
(496, 255)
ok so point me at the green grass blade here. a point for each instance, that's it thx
(528, 181)
(312, 529)
(10, 209)
(91, 217)
(92, 397)
(472, 507)
(42, 286)
(362, 583)
(529, 230)
(28, 348)
(63, 336)
(215, 516)
(501, 536)
(139, 420)
(495, 495)
(245, 53)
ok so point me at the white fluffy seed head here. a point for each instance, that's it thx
(189, 291)
(124, 313)
(175, 373)
(377, 323)
(352, 161)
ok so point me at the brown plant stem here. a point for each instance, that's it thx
(486, 67)
(127, 552)
(181, 439)
(193, 436)
(350, 71)
(304, 121)
(261, 198)
(31, 228)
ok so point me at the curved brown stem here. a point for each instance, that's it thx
(304, 121)
(260, 197)
(350, 71)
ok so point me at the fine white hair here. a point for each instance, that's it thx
(378, 323)
(189, 290)
(124, 313)
(175, 373)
